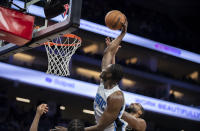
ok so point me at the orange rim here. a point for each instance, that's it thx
(67, 36)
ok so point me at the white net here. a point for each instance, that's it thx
(59, 53)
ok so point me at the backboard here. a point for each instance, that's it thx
(57, 26)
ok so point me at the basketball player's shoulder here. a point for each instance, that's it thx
(118, 93)
(115, 101)
(116, 96)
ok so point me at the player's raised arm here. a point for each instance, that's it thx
(115, 103)
(112, 48)
(41, 109)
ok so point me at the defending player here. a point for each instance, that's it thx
(133, 116)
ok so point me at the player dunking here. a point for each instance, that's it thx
(109, 103)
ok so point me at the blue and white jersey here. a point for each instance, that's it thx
(100, 104)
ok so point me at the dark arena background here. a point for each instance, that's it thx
(160, 56)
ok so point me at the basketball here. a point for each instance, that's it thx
(114, 19)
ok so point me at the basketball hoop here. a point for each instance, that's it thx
(59, 53)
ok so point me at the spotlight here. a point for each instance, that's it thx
(62, 108)
(23, 100)
(53, 8)
(88, 111)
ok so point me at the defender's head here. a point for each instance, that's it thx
(113, 72)
(135, 109)
(76, 125)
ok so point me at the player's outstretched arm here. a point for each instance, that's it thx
(112, 48)
(116, 42)
(136, 123)
(114, 104)
(41, 109)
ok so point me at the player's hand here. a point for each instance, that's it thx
(42, 109)
(109, 42)
(124, 27)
